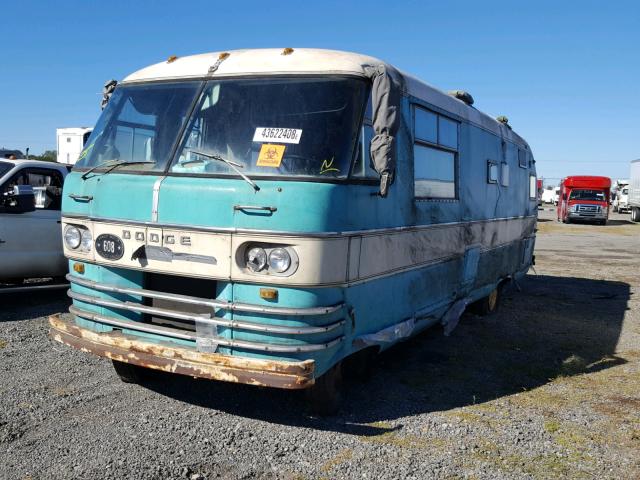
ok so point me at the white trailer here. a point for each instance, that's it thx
(634, 191)
(70, 142)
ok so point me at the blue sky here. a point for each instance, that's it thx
(566, 73)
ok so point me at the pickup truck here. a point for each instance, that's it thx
(30, 233)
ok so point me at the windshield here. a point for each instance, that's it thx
(140, 124)
(5, 167)
(292, 126)
(592, 195)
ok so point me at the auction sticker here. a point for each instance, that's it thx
(280, 135)
(270, 155)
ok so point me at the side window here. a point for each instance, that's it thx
(435, 155)
(47, 186)
(434, 172)
(522, 158)
(362, 165)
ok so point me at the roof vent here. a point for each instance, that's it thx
(287, 51)
(504, 120)
(462, 95)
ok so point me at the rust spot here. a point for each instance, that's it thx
(183, 360)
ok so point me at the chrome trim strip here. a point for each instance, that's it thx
(244, 307)
(156, 198)
(282, 233)
(194, 317)
(169, 332)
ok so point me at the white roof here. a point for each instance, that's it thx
(309, 61)
(23, 162)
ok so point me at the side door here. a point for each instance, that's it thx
(31, 242)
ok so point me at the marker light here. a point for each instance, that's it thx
(256, 259)
(279, 260)
(72, 237)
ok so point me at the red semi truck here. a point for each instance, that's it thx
(584, 198)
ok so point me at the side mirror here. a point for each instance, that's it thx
(21, 200)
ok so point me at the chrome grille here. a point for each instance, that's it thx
(588, 209)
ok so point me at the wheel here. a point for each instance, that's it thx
(130, 373)
(359, 366)
(635, 214)
(488, 304)
(324, 397)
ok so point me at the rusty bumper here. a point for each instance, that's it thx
(183, 360)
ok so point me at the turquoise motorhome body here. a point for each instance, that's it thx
(258, 216)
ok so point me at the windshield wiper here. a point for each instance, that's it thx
(112, 164)
(235, 166)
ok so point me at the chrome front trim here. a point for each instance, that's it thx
(244, 307)
(284, 233)
(179, 334)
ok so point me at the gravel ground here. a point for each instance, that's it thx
(546, 388)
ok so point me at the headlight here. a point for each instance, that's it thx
(72, 237)
(279, 260)
(86, 240)
(256, 259)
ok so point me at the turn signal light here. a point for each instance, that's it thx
(269, 293)
(78, 267)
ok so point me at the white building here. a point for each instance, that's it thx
(70, 143)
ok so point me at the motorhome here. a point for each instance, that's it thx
(584, 199)
(268, 216)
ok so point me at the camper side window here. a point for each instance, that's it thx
(434, 155)
(522, 158)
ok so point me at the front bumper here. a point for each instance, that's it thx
(183, 360)
(587, 216)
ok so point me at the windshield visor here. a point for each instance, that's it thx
(275, 126)
(141, 123)
(588, 195)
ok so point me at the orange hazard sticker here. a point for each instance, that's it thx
(270, 155)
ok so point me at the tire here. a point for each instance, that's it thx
(635, 214)
(130, 373)
(489, 304)
(359, 366)
(324, 397)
